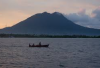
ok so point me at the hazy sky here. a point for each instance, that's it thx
(14, 11)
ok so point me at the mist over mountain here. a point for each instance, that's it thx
(49, 23)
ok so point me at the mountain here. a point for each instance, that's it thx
(49, 23)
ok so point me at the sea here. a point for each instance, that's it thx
(61, 53)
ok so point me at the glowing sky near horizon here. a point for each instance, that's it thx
(14, 11)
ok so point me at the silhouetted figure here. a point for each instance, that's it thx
(39, 43)
(33, 44)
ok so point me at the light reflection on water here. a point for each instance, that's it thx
(62, 53)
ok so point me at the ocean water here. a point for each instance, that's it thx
(62, 53)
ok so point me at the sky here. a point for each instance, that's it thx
(82, 12)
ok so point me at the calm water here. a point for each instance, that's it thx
(62, 53)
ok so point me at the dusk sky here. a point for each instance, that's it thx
(83, 12)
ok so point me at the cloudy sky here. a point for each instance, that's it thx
(83, 12)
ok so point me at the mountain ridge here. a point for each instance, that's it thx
(49, 23)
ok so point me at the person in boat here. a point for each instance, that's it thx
(33, 44)
(39, 43)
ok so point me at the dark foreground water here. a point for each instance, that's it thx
(62, 53)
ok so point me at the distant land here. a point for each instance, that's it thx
(49, 24)
(44, 36)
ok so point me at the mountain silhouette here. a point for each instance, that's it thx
(49, 23)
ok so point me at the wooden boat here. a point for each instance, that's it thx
(38, 45)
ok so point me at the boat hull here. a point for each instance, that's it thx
(38, 45)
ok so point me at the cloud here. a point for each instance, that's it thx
(96, 13)
(82, 12)
(83, 19)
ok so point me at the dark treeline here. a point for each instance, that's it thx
(44, 36)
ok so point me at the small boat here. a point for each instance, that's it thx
(38, 45)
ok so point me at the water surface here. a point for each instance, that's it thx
(62, 53)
